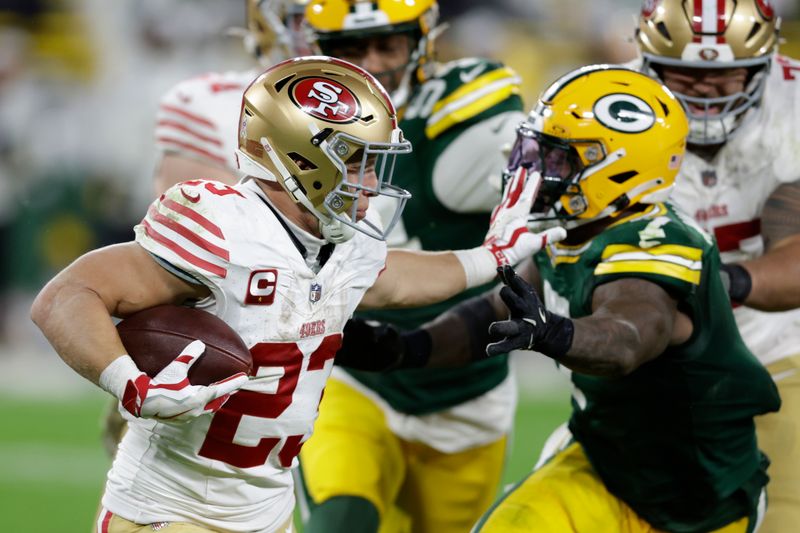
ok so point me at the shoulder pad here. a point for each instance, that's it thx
(194, 117)
(181, 228)
(468, 87)
(658, 243)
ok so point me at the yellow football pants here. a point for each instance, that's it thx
(779, 438)
(414, 487)
(566, 495)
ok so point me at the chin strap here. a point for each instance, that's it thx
(335, 231)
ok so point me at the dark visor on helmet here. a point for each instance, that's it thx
(558, 163)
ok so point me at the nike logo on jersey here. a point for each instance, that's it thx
(469, 75)
(194, 199)
(500, 126)
(184, 98)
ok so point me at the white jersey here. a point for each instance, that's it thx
(727, 195)
(230, 471)
(198, 118)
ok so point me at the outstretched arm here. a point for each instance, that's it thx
(453, 339)
(632, 322)
(421, 278)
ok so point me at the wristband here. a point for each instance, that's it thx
(479, 264)
(740, 283)
(115, 376)
(418, 347)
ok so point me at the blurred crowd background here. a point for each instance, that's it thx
(80, 82)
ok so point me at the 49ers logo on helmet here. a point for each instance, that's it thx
(325, 99)
(765, 8)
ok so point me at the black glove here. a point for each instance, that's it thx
(530, 326)
(379, 347)
(737, 282)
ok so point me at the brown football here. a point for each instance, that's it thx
(155, 337)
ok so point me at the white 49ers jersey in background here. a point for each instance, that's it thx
(230, 470)
(198, 118)
(726, 196)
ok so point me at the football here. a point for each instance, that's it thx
(154, 337)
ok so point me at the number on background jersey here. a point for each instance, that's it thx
(219, 444)
(423, 103)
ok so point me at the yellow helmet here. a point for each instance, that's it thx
(275, 29)
(304, 120)
(603, 138)
(331, 21)
(711, 35)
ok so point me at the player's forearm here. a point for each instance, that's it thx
(775, 278)
(414, 279)
(604, 347)
(460, 335)
(78, 325)
(633, 321)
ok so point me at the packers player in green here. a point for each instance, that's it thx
(415, 449)
(665, 390)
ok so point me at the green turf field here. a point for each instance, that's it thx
(52, 465)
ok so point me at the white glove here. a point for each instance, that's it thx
(169, 395)
(509, 240)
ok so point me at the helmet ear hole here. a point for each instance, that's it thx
(317, 185)
(662, 29)
(301, 162)
(622, 177)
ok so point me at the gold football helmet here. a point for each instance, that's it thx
(304, 121)
(711, 35)
(275, 29)
(333, 21)
(603, 138)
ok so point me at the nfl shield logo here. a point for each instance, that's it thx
(316, 292)
(709, 177)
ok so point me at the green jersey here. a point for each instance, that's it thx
(674, 439)
(457, 122)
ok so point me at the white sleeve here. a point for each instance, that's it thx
(181, 228)
(466, 177)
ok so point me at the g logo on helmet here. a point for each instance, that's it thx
(624, 112)
(325, 99)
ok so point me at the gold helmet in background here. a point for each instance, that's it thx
(722, 34)
(332, 21)
(603, 138)
(275, 29)
(304, 121)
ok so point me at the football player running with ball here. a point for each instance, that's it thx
(198, 118)
(317, 137)
(739, 181)
(387, 443)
